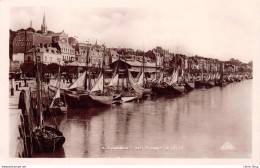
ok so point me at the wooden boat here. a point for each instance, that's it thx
(189, 86)
(177, 88)
(129, 98)
(47, 139)
(98, 94)
(77, 95)
(58, 104)
(134, 90)
(170, 87)
(210, 84)
(102, 99)
(44, 138)
(200, 82)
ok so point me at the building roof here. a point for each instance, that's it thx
(56, 34)
(76, 63)
(52, 50)
(135, 63)
(64, 44)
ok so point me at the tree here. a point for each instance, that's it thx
(151, 55)
(52, 68)
(250, 63)
(28, 68)
(42, 67)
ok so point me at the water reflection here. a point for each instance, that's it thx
(200, 121)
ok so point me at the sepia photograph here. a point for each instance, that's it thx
(170, 79)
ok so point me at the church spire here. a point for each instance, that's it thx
(43, 22)
(44, 26)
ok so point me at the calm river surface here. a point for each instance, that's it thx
(194, 125)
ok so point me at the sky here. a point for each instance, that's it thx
(220, 29)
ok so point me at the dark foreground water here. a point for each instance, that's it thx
(195, 125)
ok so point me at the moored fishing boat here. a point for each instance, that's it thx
(58, 104)
(44, 138)
(189, 86)
(98, 93)
(77, 95)
(177, 88)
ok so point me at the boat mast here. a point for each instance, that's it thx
(39, 94)
(143, 69)
(103, 64)
(59, 80)
(127, 79)
(117, 69)
(87, 76)
(188, 62)
(156, 67)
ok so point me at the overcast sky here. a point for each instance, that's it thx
(217, 29)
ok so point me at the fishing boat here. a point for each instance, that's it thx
(131, 88)
(169, 87)
(222, 79)
(44, 138)
(189, 85)
(77, 95)
(200, 81)
(97, 93)
(210, 81)
(58, 104)
(134, 89)
(189, 81)
(177, 81)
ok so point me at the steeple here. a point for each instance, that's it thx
(44, 26)
(43, 22)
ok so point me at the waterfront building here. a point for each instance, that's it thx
(46, 53)
(162, 56)
(95, 54)
(25, 39)
(61, 42)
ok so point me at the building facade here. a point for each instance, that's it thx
(47, 55)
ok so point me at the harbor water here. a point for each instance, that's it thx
(205, 123)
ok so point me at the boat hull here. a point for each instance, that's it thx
(209, 84)
(49, 144)
(199, 84)
(178, 89)
(129, 98)
(168, 90)
(189, 86)
(160, 89)
(147, 91)
(102, 100)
